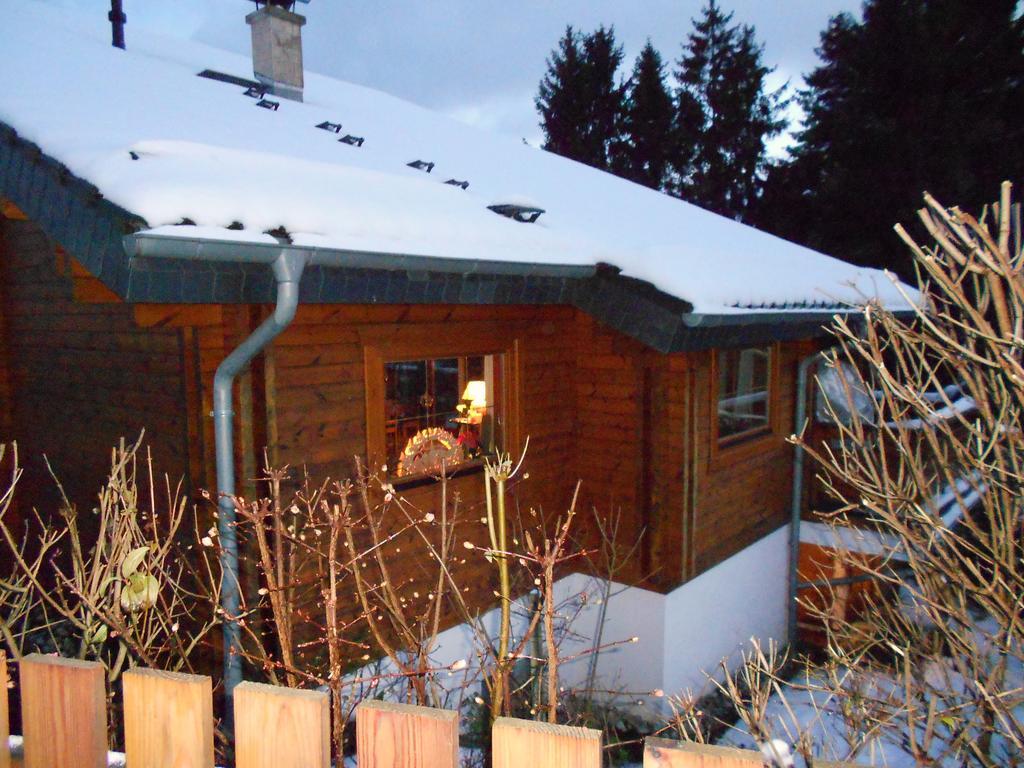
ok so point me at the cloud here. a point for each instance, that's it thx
(502, 113)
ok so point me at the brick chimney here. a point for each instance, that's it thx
(277, 50)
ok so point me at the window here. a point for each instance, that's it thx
(744, 377)
(441, 411)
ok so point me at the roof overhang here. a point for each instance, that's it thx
(139, 266)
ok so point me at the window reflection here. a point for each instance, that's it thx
(743, 383)
(441, 412)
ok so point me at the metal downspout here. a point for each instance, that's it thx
(797, 495)
(287, 272)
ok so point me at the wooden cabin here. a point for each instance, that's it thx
(463, 293)
(84, 368)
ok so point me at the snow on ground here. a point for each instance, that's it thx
(816, 713)
(806, 708)
(168, 145)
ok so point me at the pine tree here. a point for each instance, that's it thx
(646, 150)
(560, 99)
(601, 61)
(918, 95)
(580, 101)
(724, 116)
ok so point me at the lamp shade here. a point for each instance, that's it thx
(476, 394)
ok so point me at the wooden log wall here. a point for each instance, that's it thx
(633, 425)
(647, 450)
(5, 357)
(319, 409)
(629, 448)
(742, 491)
(320, 396)
(81, 373)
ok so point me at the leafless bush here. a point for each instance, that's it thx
(336, 605)
(931, 468)
(129, 592)
(354, 572)
(20, 602)
(327, 605)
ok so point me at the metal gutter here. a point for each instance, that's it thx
(147, 245)
(754, 317)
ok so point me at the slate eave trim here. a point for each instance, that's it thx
(704, 331)
(69, 209)
(693, 338)
(186, 281)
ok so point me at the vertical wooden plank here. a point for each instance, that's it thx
(192, 382)
(373, 373)
(390, 735)
(645, 470)
(211, 350)
(517, 743)
(5, 723)
(240, 323)
(278, 727)
(664, 753)
(691, 436)
(63, 712)
(270, 402)
(246, 434)
(168, 720)
(6, 390)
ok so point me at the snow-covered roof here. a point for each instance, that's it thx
(169, 146)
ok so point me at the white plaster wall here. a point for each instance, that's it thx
(715, 615)
(680, 636)
(632, 612)
(628, 666)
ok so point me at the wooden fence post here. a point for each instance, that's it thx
(277, 727)
(5, 723)
(665, 753)
(390, 735)
(541, 745)
(63, 712)
(168, 719)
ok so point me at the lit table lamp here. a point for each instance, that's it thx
(475, 429)
(475, 395)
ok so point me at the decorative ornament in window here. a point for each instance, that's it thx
(441, 413)
(428, 450)
(744, 377)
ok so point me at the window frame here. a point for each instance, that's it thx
(757, 435)
(400, 342)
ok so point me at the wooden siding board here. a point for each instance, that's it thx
(82, 375)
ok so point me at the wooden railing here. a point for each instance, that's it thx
(168, 723)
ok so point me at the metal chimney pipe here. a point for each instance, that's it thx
(117, 19)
